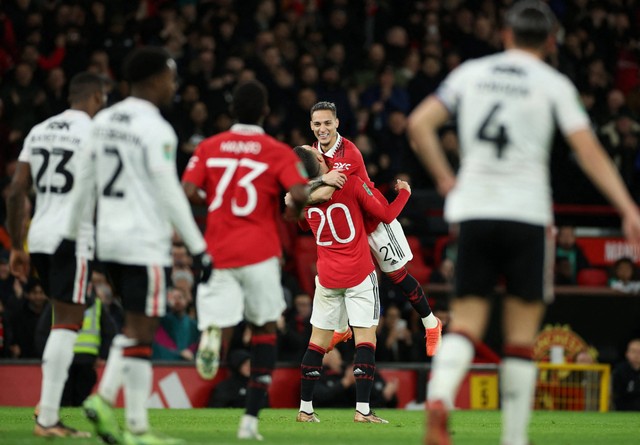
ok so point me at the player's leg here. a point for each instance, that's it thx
(362, 303)
(263, 305)
(327, 314)
(476, 275)
(143, 290)
(528, 266)
(220, 305)
(64, 280)
(391, 250)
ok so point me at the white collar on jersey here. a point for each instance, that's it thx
(79, 113)
(329, 153)
(142, 102)
(247, 129)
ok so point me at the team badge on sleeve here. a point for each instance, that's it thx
(168, 151)
(302, 170)
(367, 189)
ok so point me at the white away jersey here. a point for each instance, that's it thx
(55, 150)
(507, 107)
(139, 194)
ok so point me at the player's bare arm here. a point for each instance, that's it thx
(600, 169)
(19, 259)
(321, 189)
(422, 128)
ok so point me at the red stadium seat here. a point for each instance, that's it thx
(438, 249)
(592, 277)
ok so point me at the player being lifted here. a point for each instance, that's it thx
(386, 240)
(346, 284)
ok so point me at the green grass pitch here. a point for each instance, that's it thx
(278, 426)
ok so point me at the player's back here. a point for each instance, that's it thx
(344, 258)
(53, 150)
(244, 173)
(131, 225)
(506, 106)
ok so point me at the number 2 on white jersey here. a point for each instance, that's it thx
(324, 219)
(230, 166)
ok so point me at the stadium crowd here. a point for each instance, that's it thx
(376, 60)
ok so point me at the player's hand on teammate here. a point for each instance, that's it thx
(334, 179)
(402, 185)
(203, 265)
(19, 264)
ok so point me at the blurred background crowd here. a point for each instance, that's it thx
(375, 59)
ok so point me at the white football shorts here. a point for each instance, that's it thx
(253, 293)
(358, 306)
(389, 246)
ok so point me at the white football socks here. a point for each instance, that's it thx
(430, 321)
(137, 377)
(112, 376)
(450, 365)
(56, 360)
(517, 381)
(306, 407)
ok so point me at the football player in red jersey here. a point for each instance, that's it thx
(386, 240)
(346, 284)
(242, 172)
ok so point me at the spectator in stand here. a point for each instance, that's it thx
(567, 249)
(197, 127)
(337, 386)
(394, 337)
(177, 335)
(24, 99)
(24, 321)
(625, 277)
(626, 379)
(444, 273)
(110, 303)
(384, 97)
(232, 391)
(294, 330)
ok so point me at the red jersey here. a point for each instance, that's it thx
(344, 259)
(242, 172)
(345, 157)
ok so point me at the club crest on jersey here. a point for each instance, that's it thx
(341, 166)
(302, 170)
(168, 151)
(366, 189)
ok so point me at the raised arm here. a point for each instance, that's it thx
(384, 212)
(600, 169)
(423, 124)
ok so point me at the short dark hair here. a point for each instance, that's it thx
(309, 161)
(143, 63)
(325, 106)
(84, 84)
(532, 21)
(249, 102)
